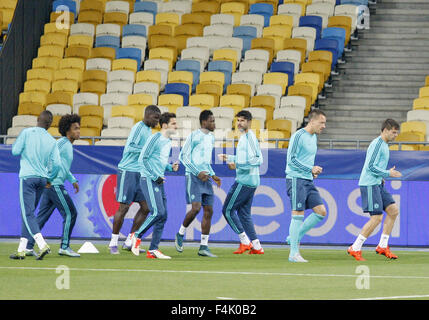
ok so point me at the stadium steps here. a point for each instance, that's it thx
(382, 75)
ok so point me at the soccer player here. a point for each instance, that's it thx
(128, 178)
(39, 164)
(196, 156)
(300, 172)
(375, 198)
(56, 196)
(154, 162)
(239, 199)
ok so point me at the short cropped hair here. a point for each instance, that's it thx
(204, 115)
(151, 109)
(66, 121)
(245, 114)
(315, 113)
(165, 118)
(390, 124)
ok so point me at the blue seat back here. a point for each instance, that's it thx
(246, 33)
(264, 9)
(68, 3)
(335, 33)
(191, 66)
(146, 6)
(134, 30)
(178, 88)
(313, 22)
(107, 41)
(330, 45)
(130, 53)
(284, 67)
(355, 2)
(222, 66)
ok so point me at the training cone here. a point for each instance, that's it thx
(88, 247)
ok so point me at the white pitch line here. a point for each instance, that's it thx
(225, 298)
(222, 272)
(395, 297)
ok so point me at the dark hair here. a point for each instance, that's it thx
(66, 122)
(245, 114)
(204, 115)
(315, 113)
(165, 118)
(390, 124)
(151, 109)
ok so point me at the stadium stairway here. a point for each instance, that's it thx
(382, 75)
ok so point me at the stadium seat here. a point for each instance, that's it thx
(278, 34)
(295, 115)
(223, 66)
(108, 29)
(178, 88)
(315, 22)
(241, 89)
(213, 89)
(222, 19)
(130, 53)
(274, 90)
(344, 22)
(237, 9)
(92, 17)
(104, 52)
(234, 101)
(190, 66)
(246, 33)
(172, 101)
(338, 34)
(329, 45)
(265, 44)
(278, 78)
(125, 64)
(99, 64)
(142, 18)
(181, 77)
(281, 125)
(146, 6)
(421, 103)
(266, 102)
(203, 101)
(264, 9)
(281, 20)
(284, 67)
(298, 45)
(253, 78)
(200, 54)
(68, 3)
(303, 90)
(256, 21)
(82, 29)
(307, 33)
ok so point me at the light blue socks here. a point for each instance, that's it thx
(294, 228)
(308, 223)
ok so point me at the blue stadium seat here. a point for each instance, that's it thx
(313, 22)
(178, 88)
(355, 2)
(247, 33)
(191, 66)
(107, 41)
(284, 67)
(329, 45)
(222, 66)
(264, 9)
(146, 6)
(69, 3)
(130, 53)
(338, 34)
(134, 30)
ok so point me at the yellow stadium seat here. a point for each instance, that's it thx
(198, 18)
(30, 108)
(120, 18)
(103, 52)
(426, 81)
(80, 40)
(93, 86)
(55, 121)
(266, 102)
(141, 99)
(92, 5)
(50, 51)
(41, 85)
(89, 132)
(213, 77)
(68, 74)
(265, 44)
(241, 89)
(125, 64)
(281, 125)
(321, 67)
(298, 44)
(418, 127)
(124, 111)
(203, 101)
(78, 52)
(344, 22)
(33, 97)
(404, 147)
(56, 39)
(424, 92)
(235, 101)
(64, 17)
(184, 31)
(276, 78)
(237, 9)
(181, 77)
(91, 110)
(51, 63)
(311, 79)
(40, 74)
(92, 17)
(305, 91)
(54, 131)
(274, 3)
(226, 55)
(149, 76)
(411, 137)
(70, 86)
(421, 103)
(72, 63)
(95, 75)
(265, 135)
(55, 28)
(172, 101)
(213, 89)
(279, 33)
(167, 18)
(320, 55)
(281, 20)
(163, 53)
(59, 97)
(163, 41)
(91, 122)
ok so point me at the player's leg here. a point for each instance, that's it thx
(392, 212)
(205, 227)
(158, 227)
(229, 208)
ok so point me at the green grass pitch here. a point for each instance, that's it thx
(329, 274)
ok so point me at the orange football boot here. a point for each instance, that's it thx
(356, 254)
(254, 251)
(386, 252)
(243, 248)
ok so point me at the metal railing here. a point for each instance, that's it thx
(331, 142)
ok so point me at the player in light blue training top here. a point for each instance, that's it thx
(238, 203)
(375, 198)
(300, 172)
(196, 156)
(56, 197)
(128, 188)
(40, 163)
(154, 161)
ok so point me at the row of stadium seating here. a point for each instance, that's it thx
(275, 63)
(7, 10)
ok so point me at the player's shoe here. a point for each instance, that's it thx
(204, 251)
(68, 252)
(178, 242)
(135, 244)
(356, 254)
(45, 250)
(297, 258)
(254, 251)
(30, 252)
(128, 248)
(288, 240)
(243, 248)
(18, 255)
(386, 252)
(156, 254)
(113, 250)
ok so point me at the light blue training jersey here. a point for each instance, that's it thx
(377, 158)
(154, 157)
(39, 153)
(247, 160)
(135, 142)
(301, 154)
(66, 152)
(196, 154)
